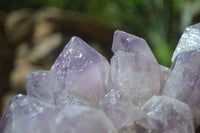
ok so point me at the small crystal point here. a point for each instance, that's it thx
(169, 115)
(82, 70)
(135, 75)
(189, 40)
(126, 42)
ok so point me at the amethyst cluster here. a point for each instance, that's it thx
(83, 93)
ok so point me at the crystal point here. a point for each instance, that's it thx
(126, 42)
(77, 64)
(190, 40)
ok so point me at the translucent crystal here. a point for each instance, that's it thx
(119, 108)
(27, 115)
(143, 126)
(126, 42)
(169, 115)
(136, 75)
(41, 85)
(82, 71)
(63, 99)
(80, 119)
(184, 81)
(189, 40)
(164, 75)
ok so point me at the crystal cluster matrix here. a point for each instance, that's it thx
(84, 93)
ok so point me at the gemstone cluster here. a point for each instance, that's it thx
(84, 93)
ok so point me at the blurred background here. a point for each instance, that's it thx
(33, 32)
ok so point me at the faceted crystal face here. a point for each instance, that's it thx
(189, 40)
(80, 119)
(41, 85)
(128, 129)
(184, 81)
(64, 99)
(143, 126)
(27, 115)
(119, 108)
(135, 75)
(123, 41)
(169, 115)
(164, 75)
(77, 65)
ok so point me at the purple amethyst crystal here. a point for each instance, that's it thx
(164, 75)
(27, 115)
(126, 42)
(144, 126)
(119, 108)
(41, 85)
(184, 81)
(82, 93)
(80, 119)
(136, 75)
(77, 64)
(189, 40)
(63, 99)
(169, 115)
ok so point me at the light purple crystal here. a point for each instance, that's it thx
(80, 119)
(27, 115)
(82, 71)
(119, 108)
(190, 40)
(126, 42)
(144, 126)
(82, 93)
(139, 126)
(169, 115)
(128, 129)
(63, 99)
(136, 75)
(184, 81)
(164, 75)
(41, 85)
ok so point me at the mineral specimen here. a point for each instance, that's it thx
(83, 93)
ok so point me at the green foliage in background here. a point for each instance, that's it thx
(160, 22)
